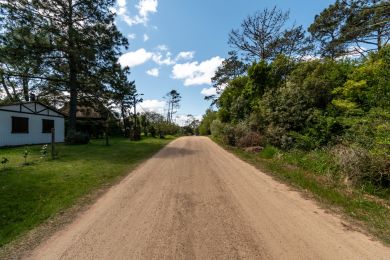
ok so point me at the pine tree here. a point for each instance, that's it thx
(80, 43)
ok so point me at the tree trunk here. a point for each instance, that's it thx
(169, 108)
(379, 39)
(26, 93)
(73, 95)
(73, 84)
(6, 88)
(125, 121)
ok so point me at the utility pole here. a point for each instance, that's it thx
(135, 111)
(136, 135)
(53, 143)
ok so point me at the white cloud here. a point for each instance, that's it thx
(196, 73)
(113, 10)
(185, 55)
(163, 59)
(151, 105)
(353, 52)
(132, 59)
(153, 72)
(147, 6)
(209, 91)
(122, 7)
(144, 7)
(121, 3)
(131, 36)
(121, 11)
(309, 58)
(183, 120)
(146, 37)
(162, 47)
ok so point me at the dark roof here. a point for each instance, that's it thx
(34, 102)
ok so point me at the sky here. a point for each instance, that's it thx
(178, 44)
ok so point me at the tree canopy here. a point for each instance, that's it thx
(68, 47)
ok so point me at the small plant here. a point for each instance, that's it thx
(25, 156)
(75, 138)
(4, 162)
(44, 151)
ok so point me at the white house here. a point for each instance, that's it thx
(30, 123)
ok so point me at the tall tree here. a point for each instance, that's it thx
(367, 24)
(123, 93)
(81, 43)
(17, 59)
(231, 68)
(173, 99)
(326, 30)
(265, 35)
(352, 26)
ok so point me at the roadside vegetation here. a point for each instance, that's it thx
(35, 188)
(317, 175)
(313, 106)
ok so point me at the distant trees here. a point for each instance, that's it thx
(173, 99)
(205, 124)
(191, 126)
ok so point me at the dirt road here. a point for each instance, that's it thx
(193, 200)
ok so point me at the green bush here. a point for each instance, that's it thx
(229, 134)
(77, 138)
(216, 128)
(359, 166)
(278, 136)
(268, 152)
(205, 125)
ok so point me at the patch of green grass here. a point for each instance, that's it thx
(317, 161)
(268, 152)
(306, 170)
(30, 194)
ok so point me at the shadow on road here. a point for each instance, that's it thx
(170, 152)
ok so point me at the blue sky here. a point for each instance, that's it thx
(178, 44)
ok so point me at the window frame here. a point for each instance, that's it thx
(17, 131)
(46, 130)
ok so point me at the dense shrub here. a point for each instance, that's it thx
(250, 139)
(241, 129)
(77, 138)
(311, 106)
(278, 136)
(359, 166)
(216, 128)
(229, 134)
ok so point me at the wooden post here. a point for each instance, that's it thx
(107, 142)
(53, 143)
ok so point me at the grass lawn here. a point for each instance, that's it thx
(30, 194)
(314, 173)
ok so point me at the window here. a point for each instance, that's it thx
(19, 125)
(47, 125)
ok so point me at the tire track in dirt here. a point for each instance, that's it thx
(194, 200)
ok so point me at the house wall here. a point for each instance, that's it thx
(35, 135)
